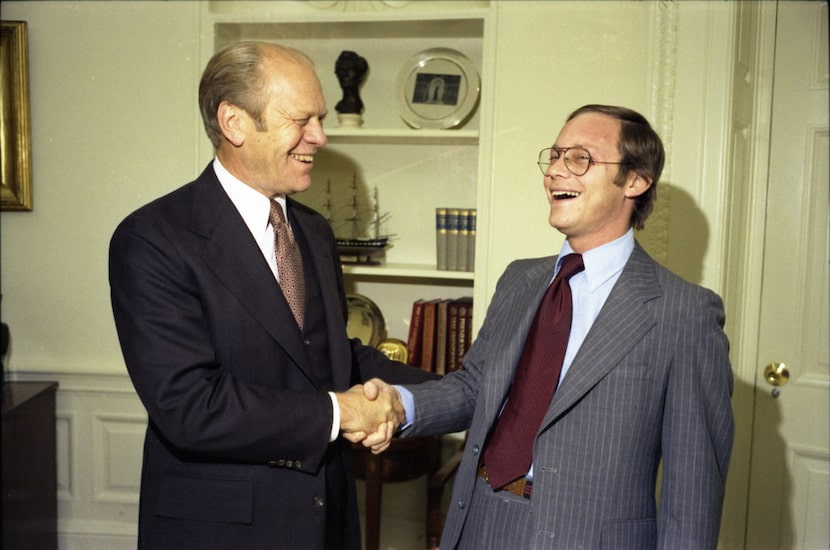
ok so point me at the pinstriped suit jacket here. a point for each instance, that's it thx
(651, 381)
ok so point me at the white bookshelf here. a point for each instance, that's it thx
(413, 171)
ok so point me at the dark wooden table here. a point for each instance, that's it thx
(29, 478)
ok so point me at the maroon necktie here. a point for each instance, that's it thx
(289, 263)
(509, 452)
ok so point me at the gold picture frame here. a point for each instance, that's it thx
(15, 136)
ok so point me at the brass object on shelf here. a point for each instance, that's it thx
(365, 321)
(395, 349)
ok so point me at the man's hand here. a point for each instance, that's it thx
(370, 412)
(374, 387)
(382, 438)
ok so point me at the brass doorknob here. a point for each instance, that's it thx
(777, 374)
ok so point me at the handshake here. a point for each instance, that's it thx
(370, 414)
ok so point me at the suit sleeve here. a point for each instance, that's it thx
(200, 406)
(371, 363)
(698, 430)
(448, 405)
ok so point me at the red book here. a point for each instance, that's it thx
(416, 334)
(468, 328)
(441, 333)
(464, 328)
(428, 339)
(452, 336)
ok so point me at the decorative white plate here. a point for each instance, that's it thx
(437, 88)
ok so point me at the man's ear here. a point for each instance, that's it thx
(636, 184)
(233, 122)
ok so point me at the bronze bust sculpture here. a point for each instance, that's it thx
(350, 69)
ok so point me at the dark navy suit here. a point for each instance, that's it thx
(237, 451)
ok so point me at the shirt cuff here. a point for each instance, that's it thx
(408, 402)
(335, 418)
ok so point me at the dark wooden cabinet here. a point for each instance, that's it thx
(29, 466)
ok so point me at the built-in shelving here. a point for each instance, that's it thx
(411, 171)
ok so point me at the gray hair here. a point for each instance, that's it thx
(234, 74)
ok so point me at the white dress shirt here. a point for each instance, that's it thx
(255, 209)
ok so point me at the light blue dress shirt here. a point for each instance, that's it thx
(589, 288)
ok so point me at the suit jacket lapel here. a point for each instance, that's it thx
(321, 261)
(622, 322)
(234, 257)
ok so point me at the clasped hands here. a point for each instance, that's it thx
(370, 414)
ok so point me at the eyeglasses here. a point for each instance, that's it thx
(577, 159)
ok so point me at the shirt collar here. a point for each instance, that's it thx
(253, 206)
(603, 262)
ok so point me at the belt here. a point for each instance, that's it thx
(522, 487)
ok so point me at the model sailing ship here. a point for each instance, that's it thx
(358, 248)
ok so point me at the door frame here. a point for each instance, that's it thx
(743, 250)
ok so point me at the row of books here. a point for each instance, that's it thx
(440, 333)
(455, 230)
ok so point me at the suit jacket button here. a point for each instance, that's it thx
(319, 502)
(297, 464)
(307, 342)
(461, 504)
(272, 464)
(475, 450)
(289, 464)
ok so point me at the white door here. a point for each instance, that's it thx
(790, 470)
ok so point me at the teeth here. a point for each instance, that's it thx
(564, 194)
(302, 158)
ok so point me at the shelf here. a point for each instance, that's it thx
(404, 271)
(347, 18)
(402, 136)
(388, 40)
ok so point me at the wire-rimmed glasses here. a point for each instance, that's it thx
(577, 159)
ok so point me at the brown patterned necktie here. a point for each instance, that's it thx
(509, 452)
(289, 263)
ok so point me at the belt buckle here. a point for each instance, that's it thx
(528, 489)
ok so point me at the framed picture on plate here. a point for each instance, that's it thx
(438, 88)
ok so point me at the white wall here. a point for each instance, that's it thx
(114, 121)
(553, 57)
(667, 60)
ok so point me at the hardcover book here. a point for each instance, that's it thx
(416, 334)
(441, 239)
(471, 239)
(452, 239)
(428, 338)
(441, 333)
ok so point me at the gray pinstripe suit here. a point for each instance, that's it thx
(652, 380)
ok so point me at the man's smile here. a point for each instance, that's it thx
(302, 158)
(563, 195)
